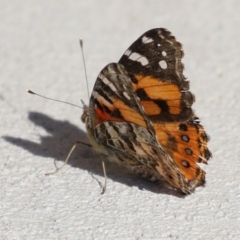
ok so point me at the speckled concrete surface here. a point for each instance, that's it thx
(39, 50)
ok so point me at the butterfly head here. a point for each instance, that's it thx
(85, 113)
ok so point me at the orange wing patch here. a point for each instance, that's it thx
(155, 89)
(151, 108)
(117, 111)
(129, 114)
(186, 143)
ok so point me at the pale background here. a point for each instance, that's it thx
(39, 50)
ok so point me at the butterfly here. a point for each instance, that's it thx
(140, 114)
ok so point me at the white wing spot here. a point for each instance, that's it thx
(95, 94)
(126, 95)
(161, 36)
(164, 53)
(158, 44)
(106, 81)
(139, 58)
(146, 40)
(127, 53)
(163, 64)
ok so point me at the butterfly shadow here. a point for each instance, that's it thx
(61, 137)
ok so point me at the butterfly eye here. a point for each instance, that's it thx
(83, 117)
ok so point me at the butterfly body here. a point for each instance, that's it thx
(140, 114)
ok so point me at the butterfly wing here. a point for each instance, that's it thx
(154, 65)
(118, 127)
(113, 99)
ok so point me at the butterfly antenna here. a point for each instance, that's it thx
(31, 92)
(84, 64)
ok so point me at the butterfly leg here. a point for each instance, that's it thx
(105, 175)
(68, 156)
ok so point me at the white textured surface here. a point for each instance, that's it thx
(39, 50)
